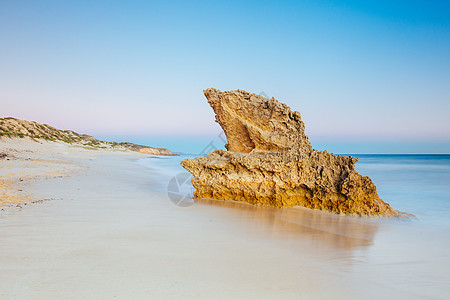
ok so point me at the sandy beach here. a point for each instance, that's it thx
(224, 150)
(110, 231)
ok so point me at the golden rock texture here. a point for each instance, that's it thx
(253, 122)
(271, 162)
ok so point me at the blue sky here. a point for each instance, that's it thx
(367, 76)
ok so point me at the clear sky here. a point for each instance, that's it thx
(367, 76)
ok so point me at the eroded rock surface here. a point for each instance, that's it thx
(253, 122)
(271, 162)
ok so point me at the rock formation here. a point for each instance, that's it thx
(271, 162)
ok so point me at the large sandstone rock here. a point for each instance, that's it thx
(271, 162)
(252, 122)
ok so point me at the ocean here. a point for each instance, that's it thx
(406, 258)
(416, 183)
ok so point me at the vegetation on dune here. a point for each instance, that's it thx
(12, 127)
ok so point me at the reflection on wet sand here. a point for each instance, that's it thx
(327, 231)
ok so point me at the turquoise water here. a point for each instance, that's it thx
(417, 184)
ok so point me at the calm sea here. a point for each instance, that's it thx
(375, 257)
(417, 184)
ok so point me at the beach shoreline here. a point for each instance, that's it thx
(112, 232)
(26, 161)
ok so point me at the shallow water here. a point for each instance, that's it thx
(405, 258)
(418, 184)
(113, 233)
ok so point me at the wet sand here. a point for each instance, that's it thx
(110, 232)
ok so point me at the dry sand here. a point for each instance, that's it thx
(109, 234)
(23, 161)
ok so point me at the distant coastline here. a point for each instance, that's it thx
(12, 127)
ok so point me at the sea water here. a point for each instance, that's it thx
(409, 258)
(418, 184)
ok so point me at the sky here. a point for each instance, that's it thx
(367, 76)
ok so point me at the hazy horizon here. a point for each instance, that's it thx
(208, 143)
(367, 77)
